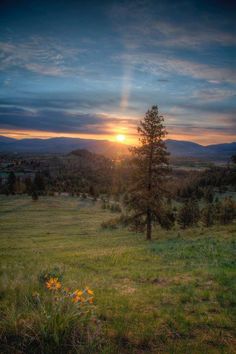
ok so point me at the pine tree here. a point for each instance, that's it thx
(149, 170)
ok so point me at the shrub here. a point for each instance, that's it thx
(167, 218)
(115, 208)
(189, 214)
(34, 195)
(226, 210)
(208, 215)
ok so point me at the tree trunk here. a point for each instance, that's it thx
(149, 188)
(149, 225)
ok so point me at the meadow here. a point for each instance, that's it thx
(175, 294)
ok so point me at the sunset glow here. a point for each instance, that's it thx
(120, 138)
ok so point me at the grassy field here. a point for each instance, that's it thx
(175, 294)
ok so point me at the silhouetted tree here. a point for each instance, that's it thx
(233, 158)
(149, 169)
(38, 183)
(11, 181)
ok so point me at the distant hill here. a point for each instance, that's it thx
(66, 145)
(61, 146)
(189, 149)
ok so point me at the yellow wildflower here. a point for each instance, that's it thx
(89, 291)
(53, 284)
(76, 299)
(78, 292)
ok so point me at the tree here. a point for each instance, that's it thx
(38, 183)
(233, 159)
(11, 182)
(188, 214)
(144, 199)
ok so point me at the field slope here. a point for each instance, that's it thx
(173, 295)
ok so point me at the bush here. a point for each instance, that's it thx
(35, 195)
(208, 215)
(115, 208)
(167, 218)
(189, 214)
(226, 211)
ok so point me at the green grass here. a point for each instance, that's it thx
(175, 294)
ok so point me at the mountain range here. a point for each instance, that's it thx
(63, 145)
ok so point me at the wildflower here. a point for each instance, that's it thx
(89, 291)
(53, 284)
(91, 300)
(77, 299)
(78, 292)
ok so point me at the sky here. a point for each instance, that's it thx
(92, 69)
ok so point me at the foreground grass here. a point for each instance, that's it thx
(173, 295)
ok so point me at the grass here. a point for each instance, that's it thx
(175, 294)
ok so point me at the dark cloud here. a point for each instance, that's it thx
(57, 121)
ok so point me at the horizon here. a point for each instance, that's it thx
(91, 71)
(112, 141)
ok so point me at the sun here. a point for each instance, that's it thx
(120, 138)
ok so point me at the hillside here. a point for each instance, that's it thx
(174, 295)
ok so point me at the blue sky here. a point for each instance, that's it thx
(70, 68)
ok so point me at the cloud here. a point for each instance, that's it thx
(213, 94)
(45, 56)
(189, 27)
(159, 64)
(12, 117)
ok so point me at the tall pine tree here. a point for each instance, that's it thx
(144, 200)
